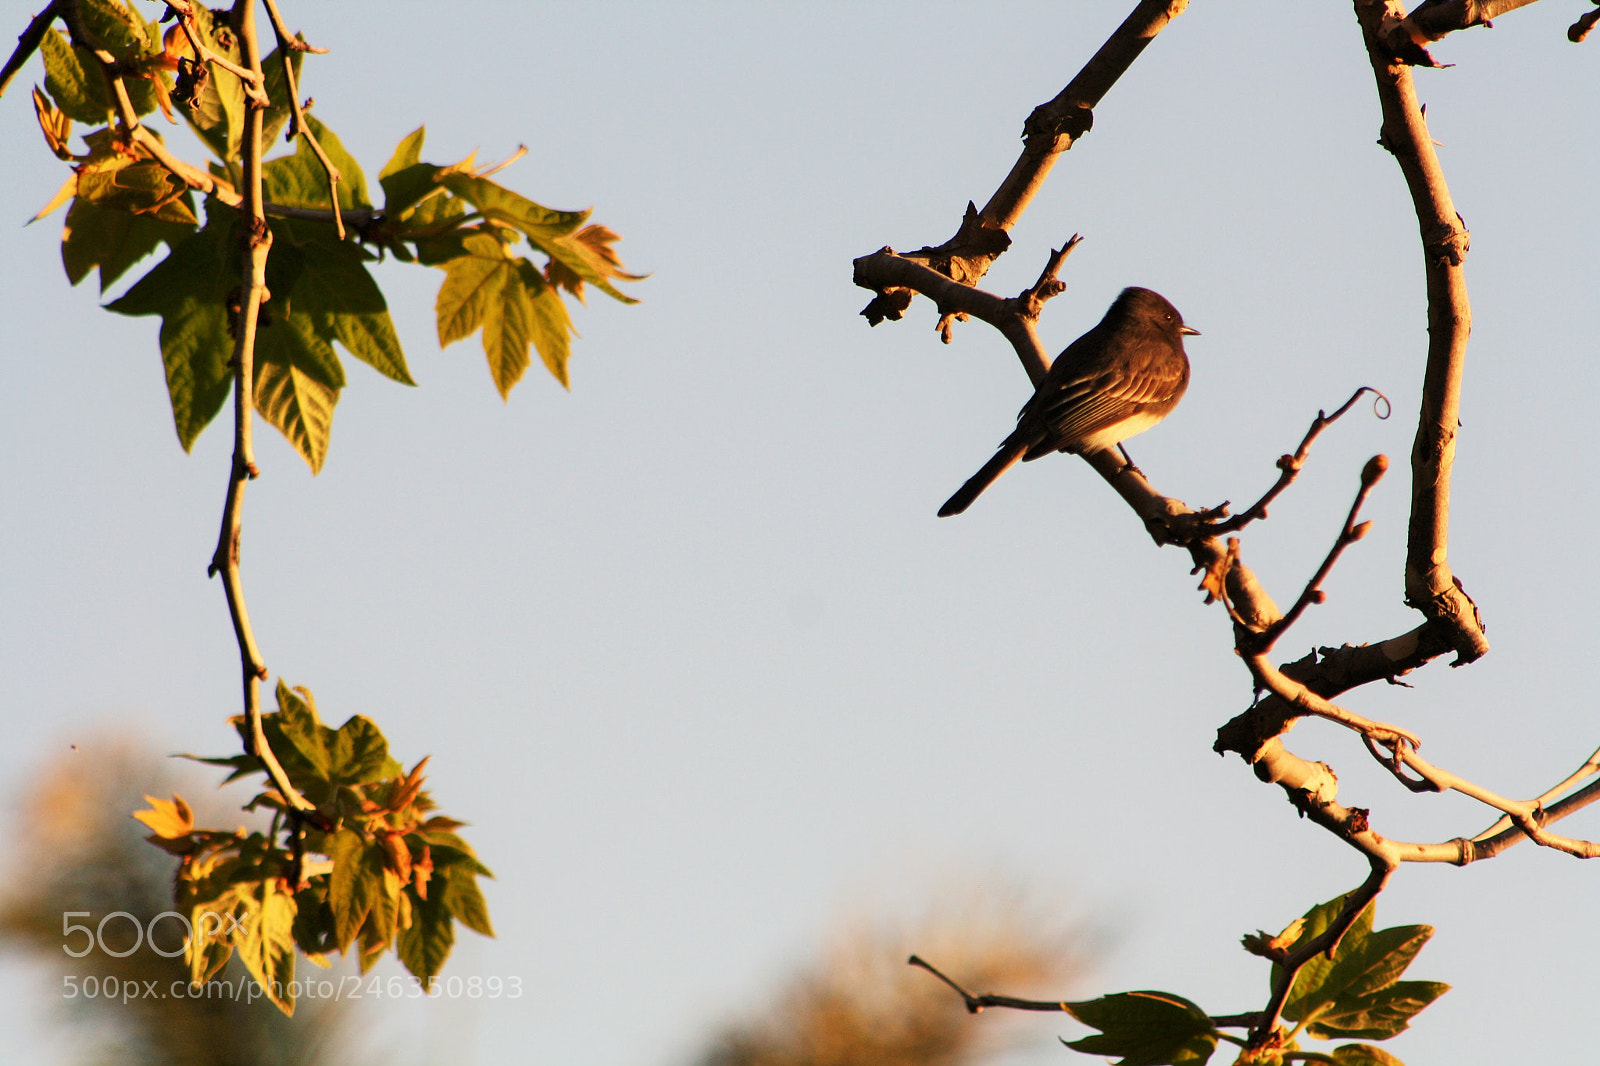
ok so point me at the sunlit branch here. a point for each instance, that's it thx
(297, 118)
(28, 42)
(1050, 130)
(1289, 466)
(1430, 585)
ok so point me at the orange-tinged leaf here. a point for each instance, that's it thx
(168, 819)
(55, 125)
(68, 190)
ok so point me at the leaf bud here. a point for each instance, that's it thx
(1375, 469)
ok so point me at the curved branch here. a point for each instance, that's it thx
(225, 560)
(1430, 586)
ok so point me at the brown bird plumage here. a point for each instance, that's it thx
(1120, 378)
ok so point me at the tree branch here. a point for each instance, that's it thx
(257, 239)
(28, 42)
(1430, 586)
(297, 117)
(1050, 130)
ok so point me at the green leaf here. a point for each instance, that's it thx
(552, 328)
(266, 945)
(449, 849)
(215, 910)
(383, 920)
(142, 188)
(1378, 1016)
(240, 765)
(73, 80)
(499, 203)
(298, 180)
(187, 289)
(406, 178)
(73, 75)
(355, 884)
(298, 405)
(461, 896)
(371, 338)
(505, 295)
(112, 240)
(1308, 993)
(1146, 1029)
(317, 274)
(360, 754)
(216, 109)
(424, 946)
(293, 341)
(471, 283)
(1381, 960)
(298, 724)
(508, 329)
(1364, 1055)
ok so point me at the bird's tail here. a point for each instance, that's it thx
(1009, 454)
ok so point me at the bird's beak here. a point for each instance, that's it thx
(1185, 330)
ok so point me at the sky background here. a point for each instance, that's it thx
(688, 646)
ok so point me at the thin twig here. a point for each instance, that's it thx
(976, 1003)
(1289, 466)
(297, 120)
(252, 81)
(28, 42)
(1348, 535)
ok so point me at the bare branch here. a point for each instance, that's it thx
(976, 1003)
(1433, 19)
(1289, 466)
(28, 42)
(1348, 535)
(1050, 130)
(297, 118)
(1430, 586)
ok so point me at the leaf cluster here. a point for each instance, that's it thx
(125, 203)
(1354, 993)
(372, 868)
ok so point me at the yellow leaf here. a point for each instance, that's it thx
(68, 190)
(170, 820)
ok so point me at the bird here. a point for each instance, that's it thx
(1120, 378)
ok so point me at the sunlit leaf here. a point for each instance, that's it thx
(112, 240)
(167, 818)
(1145, 1029)
(187, 290)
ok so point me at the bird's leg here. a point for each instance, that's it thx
(1127, 463)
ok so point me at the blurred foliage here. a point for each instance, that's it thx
(861, 1003)
(76, 849)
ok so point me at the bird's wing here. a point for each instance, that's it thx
(1119, 386)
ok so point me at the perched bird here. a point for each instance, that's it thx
(1120, 378)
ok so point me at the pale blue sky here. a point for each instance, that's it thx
(689, 647)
